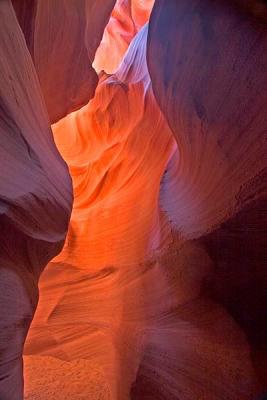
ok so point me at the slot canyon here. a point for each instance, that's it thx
(133, 199)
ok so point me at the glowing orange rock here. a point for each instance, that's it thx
(159, 291)
(127, 18)
(126, 293)
(111, 148)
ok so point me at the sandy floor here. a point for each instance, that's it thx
(48, 378)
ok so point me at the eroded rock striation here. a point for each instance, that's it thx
(63, 37)
(159, 291)
(35, 198)
(211, 84)
(127, 18)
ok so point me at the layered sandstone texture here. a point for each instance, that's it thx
(35, 198)
(148, 243)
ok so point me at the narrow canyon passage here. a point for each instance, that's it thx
(133, 231)
(117, 279)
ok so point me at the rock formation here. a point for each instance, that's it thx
(35, 198)
(159, 290)
(126, 19)
(63, 37)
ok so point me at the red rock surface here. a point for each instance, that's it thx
(127, 18)
(63, 37)
(160, 289)
(35, 198)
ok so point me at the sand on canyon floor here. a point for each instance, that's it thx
(49, 378)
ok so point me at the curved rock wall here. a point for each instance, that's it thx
(35, 198)
(127, 18)
(159, 291)
(63, 37)
(211, 84)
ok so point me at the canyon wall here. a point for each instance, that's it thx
(159, 290)
(35, 198)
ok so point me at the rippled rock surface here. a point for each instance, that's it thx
(159, 290)
(35, 198)
(62, 37)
